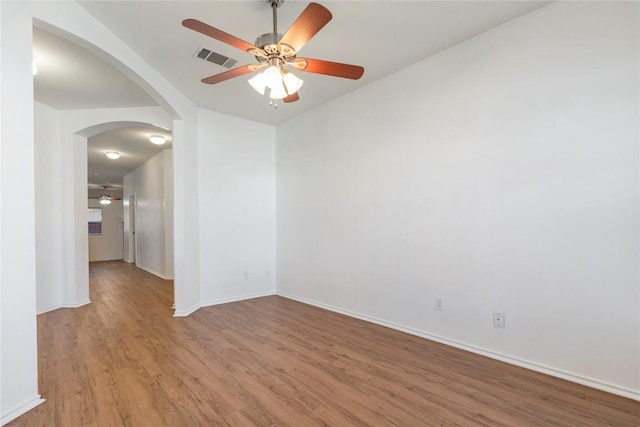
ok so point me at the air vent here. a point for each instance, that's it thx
(208, 55)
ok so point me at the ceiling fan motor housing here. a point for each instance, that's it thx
(269, 44)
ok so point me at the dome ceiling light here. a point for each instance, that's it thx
(157, 139)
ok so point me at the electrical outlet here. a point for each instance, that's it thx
(439, 303)
(246, 276)
(498, 319)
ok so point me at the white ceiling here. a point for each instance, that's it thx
(381, 36)
(132, 142)
(70, 77)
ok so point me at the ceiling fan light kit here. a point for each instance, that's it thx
(276, 52)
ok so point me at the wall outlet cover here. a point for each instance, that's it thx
(498, 319)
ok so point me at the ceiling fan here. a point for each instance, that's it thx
(105, 199)
(276, 52)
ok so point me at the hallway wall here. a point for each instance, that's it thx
(153, 214)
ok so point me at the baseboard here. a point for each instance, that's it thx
(589, 382)
(21, 409)
(59, 306)
(48, 309)
(236, 299)
(77, 304)
(155, 273)
(187, 312)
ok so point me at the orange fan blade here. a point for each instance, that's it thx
(329, 68)
(291, 98)
(310, 21)
(217, 34)
(236, 72)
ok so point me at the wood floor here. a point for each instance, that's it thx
(125, 361)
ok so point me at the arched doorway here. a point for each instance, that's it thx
(18, 305)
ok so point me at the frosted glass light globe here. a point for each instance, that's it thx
(278, 92)
(292, 83)
(257, 82)
(272, 77)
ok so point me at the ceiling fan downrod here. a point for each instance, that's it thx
(275, 4)
(270, 52)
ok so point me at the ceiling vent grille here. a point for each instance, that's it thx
(207, 54)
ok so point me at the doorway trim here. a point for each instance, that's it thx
(133, 246)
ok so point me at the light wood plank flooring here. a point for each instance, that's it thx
(125, 361)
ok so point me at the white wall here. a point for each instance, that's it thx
(500, 175)
(107, 246)
(48, 184)
(153, 213)
(168, 213)
(237, 208)
(18, 350)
